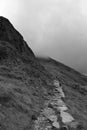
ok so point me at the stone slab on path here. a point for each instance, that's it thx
(66, 117)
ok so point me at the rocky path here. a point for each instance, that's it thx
(55, 115)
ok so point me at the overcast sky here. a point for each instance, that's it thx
(54, 28)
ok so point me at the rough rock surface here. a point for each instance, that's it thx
(51, 117)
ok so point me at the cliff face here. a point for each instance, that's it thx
(24, 83)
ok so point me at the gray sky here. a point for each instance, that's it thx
(55, 28)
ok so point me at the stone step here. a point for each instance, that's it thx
(66, 117)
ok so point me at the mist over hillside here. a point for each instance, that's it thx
(23, 81)
(31, 97)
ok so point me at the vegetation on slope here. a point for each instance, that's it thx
(74, 86)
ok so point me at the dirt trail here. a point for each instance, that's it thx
(55, 115)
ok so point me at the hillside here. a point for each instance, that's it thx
(37, 93)
(24, 83)
(74, 86)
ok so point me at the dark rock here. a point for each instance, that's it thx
(34, 117)
(64, 128)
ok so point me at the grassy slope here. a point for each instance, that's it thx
(24, 85)
(75, 88)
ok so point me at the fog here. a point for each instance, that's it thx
(54, 28)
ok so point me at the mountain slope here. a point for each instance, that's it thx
(9, 34)
(75, 88)
(24, 83)
(27, 85)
